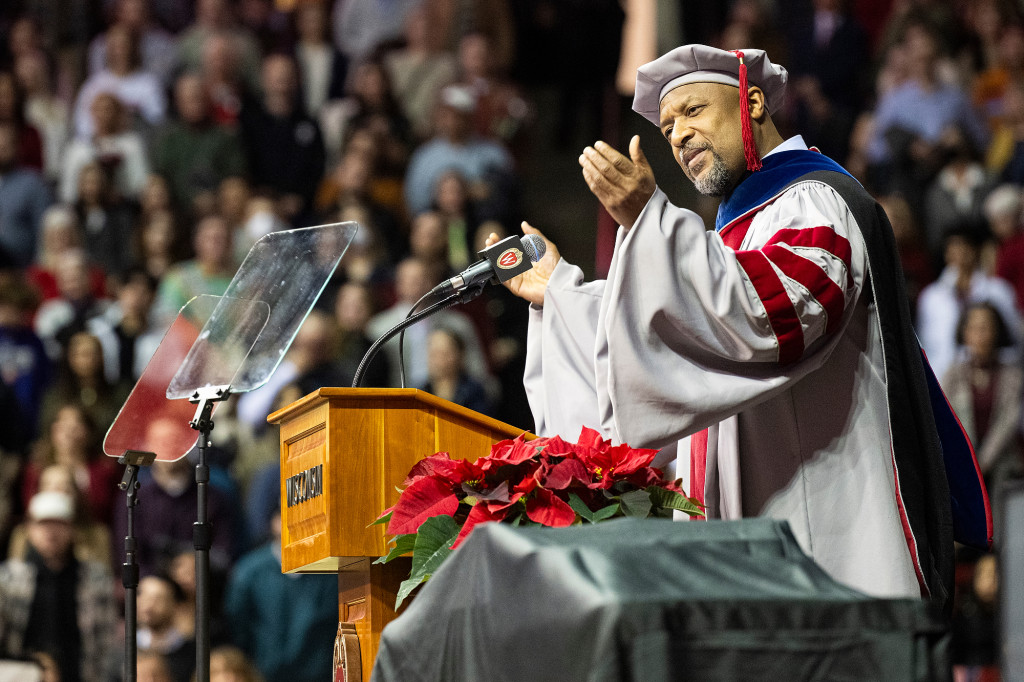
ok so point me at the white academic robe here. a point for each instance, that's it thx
(688, 332)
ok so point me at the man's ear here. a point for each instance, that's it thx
(757, 103)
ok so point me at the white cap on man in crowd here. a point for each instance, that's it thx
(51, 506)
(459, 97)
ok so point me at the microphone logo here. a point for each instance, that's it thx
(510, 258)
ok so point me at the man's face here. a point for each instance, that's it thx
(155, 603)
(51, 538)
(702, 123)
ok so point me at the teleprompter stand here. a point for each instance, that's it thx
(234, 349)
(132, 460)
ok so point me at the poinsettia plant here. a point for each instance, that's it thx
(545, 482)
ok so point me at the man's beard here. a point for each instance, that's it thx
(717, 180)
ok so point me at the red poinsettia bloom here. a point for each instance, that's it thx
(513, 452)
(608, 463)
(426, 497)
(560, 475)
(546, 508)
(483, 512)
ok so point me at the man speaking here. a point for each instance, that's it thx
(780, 341)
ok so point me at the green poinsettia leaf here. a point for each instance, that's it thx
(581, 509)
(433, 543)
(636, 503)
(432, 546)
(403, 545)
(670, 499)
(605, 513)
(383, 519)
(406, 588)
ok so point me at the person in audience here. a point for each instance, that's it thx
(446, 372)
(286, 150)
(230, 664)
(502, 111)
(54, 603)
(156, 239)
(152, 667)
(106, 220)
(129, 332)
(120, 153)
(353, 308)
(915, 259)
(216, 18)
(460, 215)
(985, 391)
(182, 571)
(1003, 212)
(193, 152)
(158, 599)
(157, 47)
(914, 122)
(92, 541)
(44, 109)
(61, 234)
(974, 646)
(351, 185)
(420, 70)
(1007, 68)
(961, 283)
(486, 165)
(956, 193)
(285, 624)
(210, 272)
(1004, 156)
(829, 76)
(322, 67)
(124, 76)
(430, 241)
(25, 366)
(360, 27)
(29, 143)
(24, 197)
(72, 440)
(76, 303)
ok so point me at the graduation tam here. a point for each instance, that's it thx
(704, 64)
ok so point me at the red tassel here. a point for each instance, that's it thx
(749, 147)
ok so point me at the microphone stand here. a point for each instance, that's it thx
(132, 459)
(462, 296)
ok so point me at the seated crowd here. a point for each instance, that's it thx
(145, 147)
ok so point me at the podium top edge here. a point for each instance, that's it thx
(406, 397)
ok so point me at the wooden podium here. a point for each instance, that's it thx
(343, 452)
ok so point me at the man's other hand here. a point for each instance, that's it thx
(623, 186)
(531, 284)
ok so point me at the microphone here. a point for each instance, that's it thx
(501, 262)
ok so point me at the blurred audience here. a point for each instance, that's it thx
(158, 599)
(984, 390)
(53, 603)
(124, 76)
(192, 152)
(284, 623)
(485, 164)
(285, 148)
(120, 153)
(961, 283)
(24, 197)
(446, 372)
